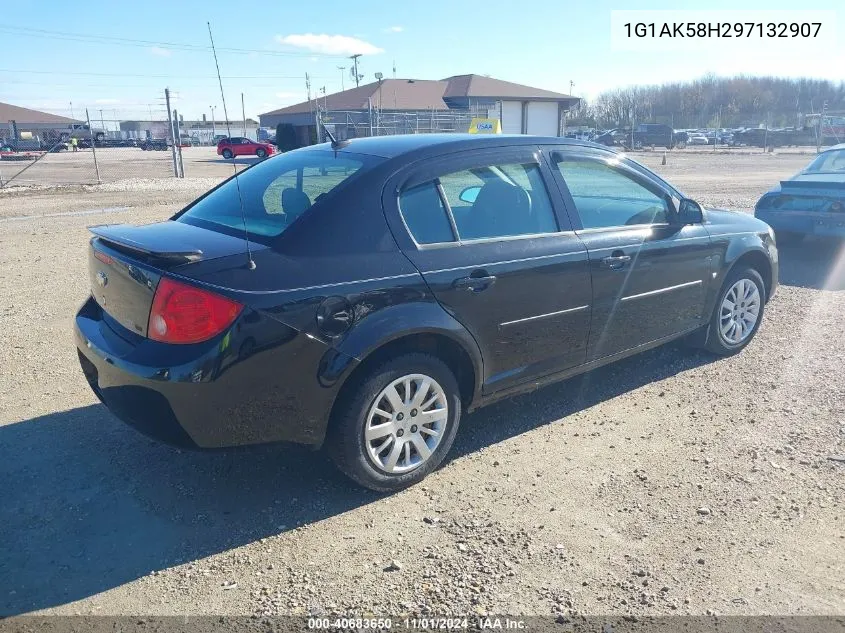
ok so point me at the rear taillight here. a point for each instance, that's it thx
(187, 314)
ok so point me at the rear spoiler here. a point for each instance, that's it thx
(805, 184)
(118, 237)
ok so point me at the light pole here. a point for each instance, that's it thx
(341, 69)
(213, 131)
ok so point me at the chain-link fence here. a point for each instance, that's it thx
(385, 122)
(105, 145)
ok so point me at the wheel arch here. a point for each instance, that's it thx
(463, 361)
(758, 261)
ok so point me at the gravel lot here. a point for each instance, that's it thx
(668, 483)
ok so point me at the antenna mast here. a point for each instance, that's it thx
(250, 261)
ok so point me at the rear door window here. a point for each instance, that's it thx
(488, 201)
(275, 192)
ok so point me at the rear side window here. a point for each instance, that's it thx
(485, 202)
(425, 214)
(276, 192)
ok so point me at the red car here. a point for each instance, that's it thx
(239, 146)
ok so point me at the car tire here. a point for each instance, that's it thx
(356, 456)
(227, 154)
(745, 291)
(261, 153)
(788, 238)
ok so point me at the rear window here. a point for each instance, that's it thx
(275, 192)
(829, 162)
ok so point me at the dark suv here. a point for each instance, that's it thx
(365, 294)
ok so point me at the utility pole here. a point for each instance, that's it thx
(571, 86)
(341, 69)
(354, 59)
(394, 69)
(93, 149)
(213, 131)
(243, 112)
(170, 129)
(71, 109)
(102, 124)
(178, 135)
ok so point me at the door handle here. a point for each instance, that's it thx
(475, 284)
(616, 260)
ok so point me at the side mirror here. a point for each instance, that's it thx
(690, 212)
(469, 194)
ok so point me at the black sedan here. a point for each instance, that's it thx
(363, 294)
(810, 203)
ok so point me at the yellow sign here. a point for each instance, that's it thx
(485, 126)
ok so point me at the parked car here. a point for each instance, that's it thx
(810, 203)
(617, 137)
(239, 146)
(367, 293)
(657, 134)
(695, 138)
(154, 144)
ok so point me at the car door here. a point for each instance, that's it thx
(650, 273)
(482, 228)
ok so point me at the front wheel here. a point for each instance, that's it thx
(738, 312)
(227, 154)
(261, 153)
(398, 423)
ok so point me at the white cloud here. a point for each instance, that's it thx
(158, 51)
(393, 29)
(329, 44)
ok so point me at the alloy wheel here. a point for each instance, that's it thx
(740, 311)
(406, 423)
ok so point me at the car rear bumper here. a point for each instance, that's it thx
(230, 391)
(805, 222)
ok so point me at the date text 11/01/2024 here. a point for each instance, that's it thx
(484, 623)
(723, 29)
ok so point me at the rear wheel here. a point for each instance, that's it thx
(738, 312)
(227, 154)
(398, 423)
(261, 152)
(787, 238)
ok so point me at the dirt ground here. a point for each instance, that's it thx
(670, 483)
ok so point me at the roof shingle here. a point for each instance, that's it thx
(9, 112)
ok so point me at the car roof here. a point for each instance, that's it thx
(402, 144)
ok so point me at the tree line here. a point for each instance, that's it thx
(714, 102)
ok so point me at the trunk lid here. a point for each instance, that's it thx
(126, 263)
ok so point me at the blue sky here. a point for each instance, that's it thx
(544, 43)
